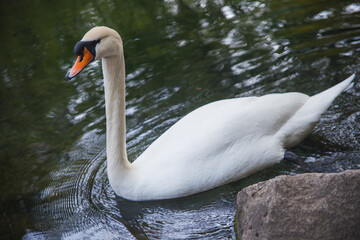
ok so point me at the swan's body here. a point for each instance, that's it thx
(215, 144)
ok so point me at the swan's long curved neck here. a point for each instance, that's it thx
(114, 82)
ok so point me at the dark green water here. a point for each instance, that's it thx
(179, 56)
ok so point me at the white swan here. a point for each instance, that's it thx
(215, 144)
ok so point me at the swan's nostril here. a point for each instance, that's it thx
(81, 57)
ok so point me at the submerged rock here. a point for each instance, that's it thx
(305, 206)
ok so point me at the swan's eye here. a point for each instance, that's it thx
(89, 45)
(98, 41)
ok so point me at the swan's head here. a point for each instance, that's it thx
(97, 43)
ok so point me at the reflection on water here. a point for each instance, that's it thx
(179, 56)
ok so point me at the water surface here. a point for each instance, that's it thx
(179, 55)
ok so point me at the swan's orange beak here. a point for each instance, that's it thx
(81, 62)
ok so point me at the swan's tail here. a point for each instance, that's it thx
(320, 102)
(305, 119)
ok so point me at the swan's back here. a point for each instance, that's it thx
(220, 124)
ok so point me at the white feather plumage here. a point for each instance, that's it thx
(215, 144)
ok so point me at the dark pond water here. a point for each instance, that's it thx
(179, 56)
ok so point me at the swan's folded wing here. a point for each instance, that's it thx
(220, 125)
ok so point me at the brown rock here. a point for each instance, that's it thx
(305, 206)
